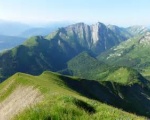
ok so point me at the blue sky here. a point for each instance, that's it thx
(118, 12)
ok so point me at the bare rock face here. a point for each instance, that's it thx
(95, 33)
(81, 33)
(97, 37)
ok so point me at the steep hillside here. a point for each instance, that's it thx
(121, 33)
(36, 55)
(133, 53)
(53, 92)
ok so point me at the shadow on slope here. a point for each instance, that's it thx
(131, 98)
(63, 98)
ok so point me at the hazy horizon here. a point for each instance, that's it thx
(117, 12)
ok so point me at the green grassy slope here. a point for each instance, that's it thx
(124, 75)
(69, 98)
(85, 66)
(132, 53)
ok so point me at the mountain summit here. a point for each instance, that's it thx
(97, 37)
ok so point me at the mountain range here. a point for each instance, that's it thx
(53, 51)
(110, 64)
(15, 33)
(10, 28)
(8, 42)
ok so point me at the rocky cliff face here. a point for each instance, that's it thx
(97, 37)
(95, 33)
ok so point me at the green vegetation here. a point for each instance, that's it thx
(63, 99)
(56, 51)
(53, 51)
(132, 53)
(120, 75)
(125, 76)
(35, 56)
(73, 51)
(86, 66)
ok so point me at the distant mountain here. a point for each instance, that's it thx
(137, 30)
(37, 31)
(7, 42)
(8, 28)
(120, 32)
(44, 30)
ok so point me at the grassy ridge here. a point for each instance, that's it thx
(61, 99)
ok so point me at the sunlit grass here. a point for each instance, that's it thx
(60, 102)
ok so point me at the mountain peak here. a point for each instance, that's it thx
(113, 27)
(100, 23)
(80, 24)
